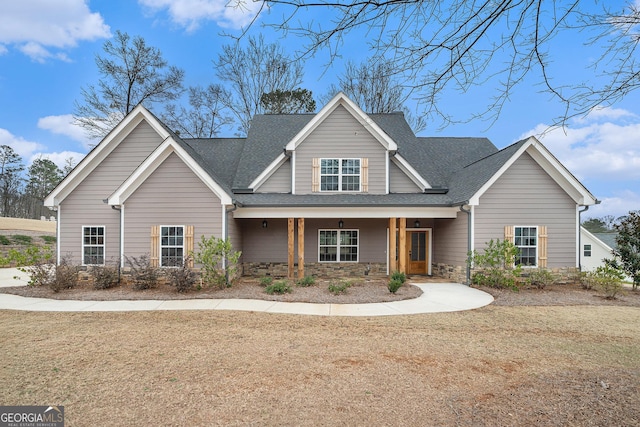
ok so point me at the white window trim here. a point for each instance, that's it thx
(515, 227)
(161, 246)
(337, 246)
(340, 190)
(104, 244)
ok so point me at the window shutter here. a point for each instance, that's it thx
(364, 171)
(188, 243)
(315, 175)
(154, 257)
(509, 231)
(542, 246)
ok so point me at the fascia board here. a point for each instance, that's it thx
(101, 151)
(151, 163)
(413, 174)
(560, 174)
(550, 165)
(270, 170)
(358, 114)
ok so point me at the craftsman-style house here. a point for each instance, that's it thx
(339, 192)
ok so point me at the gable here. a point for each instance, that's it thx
(399, 182)
(279, 181)
(340, 135)
(139, 134)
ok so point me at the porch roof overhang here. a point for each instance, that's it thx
(344, 206)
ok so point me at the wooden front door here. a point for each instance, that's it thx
(417, 252)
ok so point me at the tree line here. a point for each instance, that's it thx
(22, 194)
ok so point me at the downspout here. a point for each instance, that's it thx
(119, 209)
(468, 212)
(226, 236)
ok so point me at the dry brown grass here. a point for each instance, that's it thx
(493, 366)
(27, 224)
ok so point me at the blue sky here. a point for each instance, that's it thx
(48, 47)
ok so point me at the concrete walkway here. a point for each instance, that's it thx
(436, 298)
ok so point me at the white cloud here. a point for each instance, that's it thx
(618, 205)
(21, 146)
(191, 13)
(63, 125)
(37, 26)
(596, 148)
(3, 49)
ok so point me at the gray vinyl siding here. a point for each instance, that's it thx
(234, 234)
(85, 205)
(340, 135)
(450, 240)
(270, 244)
(279, 182)
(172, 195)
(526, 196)
(399, 182)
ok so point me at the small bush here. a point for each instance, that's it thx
(398, 275)
(266, 281)
(65, 276)
(394, 285)
(38, 262)
(495, 265)
(143, 274)
(340, 287)
(540, 278)
(104, 276)
(4, 240)
(21, 239)
(280, 287)
(183, 278)
(48, 239)
(306, 281)
(608, 280)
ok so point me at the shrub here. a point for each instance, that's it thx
(280, 287)
(65, 276)
(4, 240)
(143, 274)
(21, 239)
(105, 276)
(306, 281)
(540, 278)
(266, 281)
(48, 239)
(394, 285)
(495, 266)
(398, 275)
(213, 254)
(38, 262)
(608, 280)
(183, 278)
(339, 287)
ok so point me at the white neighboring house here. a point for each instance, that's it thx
(595, 248)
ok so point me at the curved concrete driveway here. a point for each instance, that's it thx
(436, 298)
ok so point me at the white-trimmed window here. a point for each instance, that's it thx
(171, 245)
(340, 175)
(526, 239)
(587, 250)
(338, 246)
(93, 244)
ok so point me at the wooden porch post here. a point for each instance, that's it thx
(300, 248)
(392, 244)
(291, 246)
(402, 246)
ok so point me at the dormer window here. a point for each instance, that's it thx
(340, 175)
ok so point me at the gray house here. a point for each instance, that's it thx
(333, 193)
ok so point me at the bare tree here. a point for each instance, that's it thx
(373, 86)
(132, 73)
(206, 116)
(458, 44)
(252, 71)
